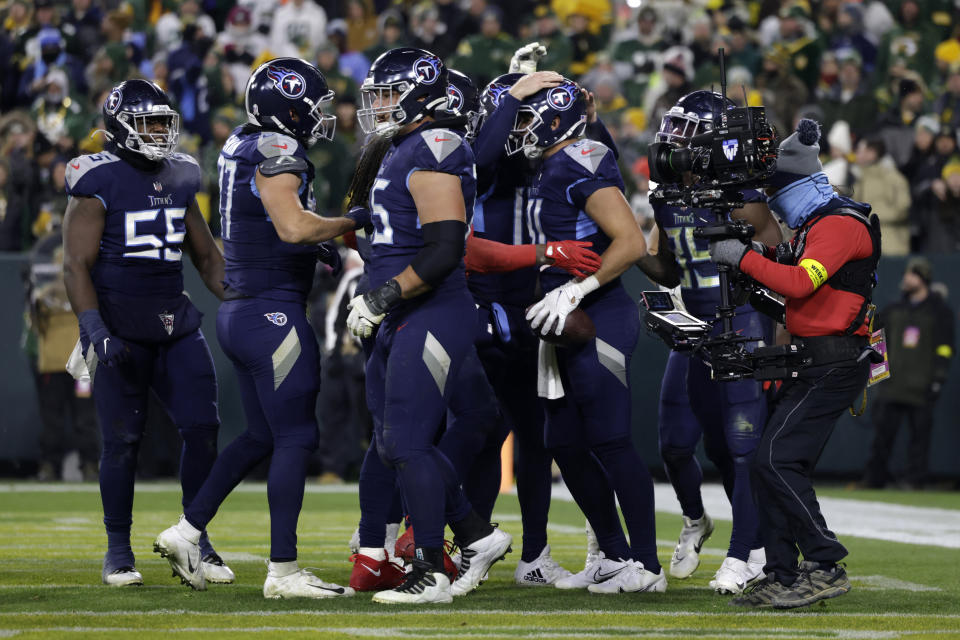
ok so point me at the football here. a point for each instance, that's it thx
(577, 330)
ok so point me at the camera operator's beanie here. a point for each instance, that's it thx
(922, 268)
(798, 155)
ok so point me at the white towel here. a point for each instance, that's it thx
(82, 369)
(549, 385)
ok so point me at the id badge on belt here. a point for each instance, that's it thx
(881, 370)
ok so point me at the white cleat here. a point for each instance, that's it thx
(420, 587)
(298, 583)
(178, 545)
(542, 572)
(123, 577)
(632, 579)
(686, 557)
(216, 571)
(599, 569)
(756, 561)
(731, 577)
(477, 558)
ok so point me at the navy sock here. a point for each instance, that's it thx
(482, 482)
(684, 472)
(196, 458)
(232, 466)
(119, 553)
(746, 523)
(432, 494)
(379, 498)
(534, 483)
(633, 486)
(588, 485)
(206, 547)
(285, 484)
(117, 471)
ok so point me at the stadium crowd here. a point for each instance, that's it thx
(883, 77)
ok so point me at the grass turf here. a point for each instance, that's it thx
(53, 541)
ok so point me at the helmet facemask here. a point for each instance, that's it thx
(522, 137)
(325, 123)
(152, 145)
(678, 126)
(380, 109)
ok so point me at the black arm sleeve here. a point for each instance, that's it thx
(443, 246)
(283, 164)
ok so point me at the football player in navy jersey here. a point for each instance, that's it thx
(418, 298)
(132, 210)
(577, 193)
(729, 415)
(271, 240)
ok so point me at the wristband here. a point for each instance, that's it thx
(384, 297)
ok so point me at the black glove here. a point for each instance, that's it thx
(360, 217)
(329, 254)
(110, 350)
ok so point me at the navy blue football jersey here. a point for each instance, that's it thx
(258, 262)
(397, 237)
(700, 283)
(138, 275)
(558, 196)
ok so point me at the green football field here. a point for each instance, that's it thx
(52, 541)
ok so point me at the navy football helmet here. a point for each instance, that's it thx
(138, 117)
(692, 115)
(289, 95)
(463, 99)
(490, 96)
(547, 117)
(402, 86)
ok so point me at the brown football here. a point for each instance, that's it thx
(577, 330)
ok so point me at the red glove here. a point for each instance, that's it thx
(573, 257)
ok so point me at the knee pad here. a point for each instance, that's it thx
(612, 447)
(306, 436)
(674, 454)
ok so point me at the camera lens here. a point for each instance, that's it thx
(668, 162)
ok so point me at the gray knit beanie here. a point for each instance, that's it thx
(798, 155)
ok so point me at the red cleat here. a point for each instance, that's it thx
(370, 574)
(405, 547)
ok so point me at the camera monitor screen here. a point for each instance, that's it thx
(658, 300)
(681, 319)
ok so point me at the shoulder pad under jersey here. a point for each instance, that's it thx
(81, 166)
(587, 153)
(276, 165)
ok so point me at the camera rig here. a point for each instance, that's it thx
(739, 152)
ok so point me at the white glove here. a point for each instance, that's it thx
(526, 57)
(362, 320)
(558, 304)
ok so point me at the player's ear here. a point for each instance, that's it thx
(555, 124)
(294, 116)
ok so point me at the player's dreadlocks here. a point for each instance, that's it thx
(367, 167)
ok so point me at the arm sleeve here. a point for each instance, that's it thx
(487, 256)
(488, 147)
(584, 184)
(830, 244)
(599, 132)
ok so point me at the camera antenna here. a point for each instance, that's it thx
(723, 86)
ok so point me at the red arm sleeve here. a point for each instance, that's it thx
(830, 244)
(487, 256)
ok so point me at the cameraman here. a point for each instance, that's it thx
(729, 415)
(826, 273)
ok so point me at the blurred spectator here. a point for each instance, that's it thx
(60, 118)
(452, 17)
(912, 40)
(67, 418)
(585, 41)
(170, 29)
(239, 45)
(829, 75)
(428, 32)
(948, 104)
(884, 187)
(390, 27)
(361, 25)
(896, 126)
(676, 76)
(741, 49)
(919, 332)
(189, 81)
(782, 92)
(603, 81)
(51, 55)
(941, 224)
(851, 98)
(841, 145)
(18, 178)
(328, 57)
(798, 39)
(849, 35)
(353, 64)
(299, 27)
(81, 26)
(549, 34)
(486, 55)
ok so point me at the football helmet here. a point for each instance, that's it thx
(289, 95)
(402, 86)
(692, 115)
(547, 117)
(131, 115)
(463, 99)
(490, 96)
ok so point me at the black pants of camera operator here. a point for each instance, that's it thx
(802, 417)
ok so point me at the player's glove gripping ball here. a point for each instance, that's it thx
(369, 310)
(574, 257)
(109, 350)
(557, 305)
